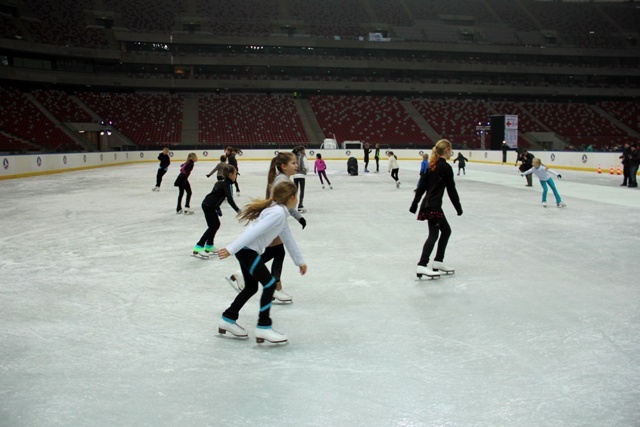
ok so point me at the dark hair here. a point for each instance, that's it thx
(223, 158)
(318, 156)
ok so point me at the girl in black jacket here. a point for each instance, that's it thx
(211, 206)
(462, 162)
(439, 177)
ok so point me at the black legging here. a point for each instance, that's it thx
(300, 185)
(394, 174)
(213, 224)
(275, 253)
(436, 226)
(253, 271)
(184, 187)
(161, 172)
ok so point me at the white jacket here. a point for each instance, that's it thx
(259, 234)
(393, 163)
(541, 172)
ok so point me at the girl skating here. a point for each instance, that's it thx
(546, 181)
(462, 162)
(211, 207)
(320, 167)
(267, 220)
(182, 182)
(394, 168)
(165, 161)
(438, 178)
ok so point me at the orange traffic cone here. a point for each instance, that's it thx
(599, 169)
(611, 170)
(619, 173)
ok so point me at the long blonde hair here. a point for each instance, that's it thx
(437, 152)
(278, 161)
(281, 195)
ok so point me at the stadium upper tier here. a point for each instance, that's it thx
(89, 23)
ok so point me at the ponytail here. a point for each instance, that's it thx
(437, 152)
(274, 168)
(281, 195)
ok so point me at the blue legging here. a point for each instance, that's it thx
(551, 184)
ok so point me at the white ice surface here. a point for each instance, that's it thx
(106, 319)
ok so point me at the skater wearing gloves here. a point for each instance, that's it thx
(211, 206)
(461, 163)
(300, 177)
(182, 182)
(165, 161)
(543, 175)
(367, 151)
(267, 220)
(376, 156)
(438, 178)
(219, 168)
(394, 168)
(320, 167)
(282, 167)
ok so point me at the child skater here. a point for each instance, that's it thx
(376, 156)
(367, 151)
(461, 163)
(300, 177)
(267, 220)
(182, 182)
(394, 168)
(231, 158)
(424, 167)
(543, 173)
(165, 161)
(211, 206)
(219, 167)
(282, 167)
(320, 167)
(438, 178)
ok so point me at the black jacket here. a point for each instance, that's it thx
(634, 157)
(221, 191)
(461, 160)
(165, 161)
(527, 161)
(434, 182)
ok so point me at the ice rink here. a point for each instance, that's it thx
(106, 319)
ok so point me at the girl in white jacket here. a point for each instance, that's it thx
(267, 220)
(544, 175)
(394, 168)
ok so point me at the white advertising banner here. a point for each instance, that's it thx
(511, 131)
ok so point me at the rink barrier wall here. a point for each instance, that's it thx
(17, 166)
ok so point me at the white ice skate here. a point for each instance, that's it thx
(398, 184)
(301, 209)
(201, 254)
(562, 205)
(156, 188)
(282, 296)
(236, 281)
(544, 204)
(438, 266)
(187, 211)
(268, 334)
(426, 271)
(232, 327)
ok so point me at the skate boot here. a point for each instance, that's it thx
(210, 249)
(544, 204)
(199, 252)
(266, 333)
(227, 325)
(180, 211)
(301, 209)
(156, 188)
(282, 296)
(562, 205)
(323, 186)
(236, 281)
(422, 270)
(438, 266)
(188, 211)
(398, 184)
(331, 187)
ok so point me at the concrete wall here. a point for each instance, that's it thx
(38, 164)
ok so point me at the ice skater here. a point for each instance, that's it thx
(543, 174)
(461, 163)
(282, 167)
(376, 156)
(394, 168)
(267, 220)
(165, 161)
(367, 151)
(211, 208)
(320, 167)
(231, 153)
(526, 162)
(219, 167)
(300, 177)
(438, 178)
(182, 182)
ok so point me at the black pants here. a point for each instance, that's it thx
(436, 227)
(300, 185)
(161, 172)
(377, 164)
(633, 170)
(184, 187)
(275, 253)
(394, 174)
(213, 224)
(366, 165)
(625, 171)
(253, 271)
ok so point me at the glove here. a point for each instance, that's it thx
(413, 208)
(303, 222)
(559, 176)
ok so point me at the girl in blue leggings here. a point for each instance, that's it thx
(544, 175)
